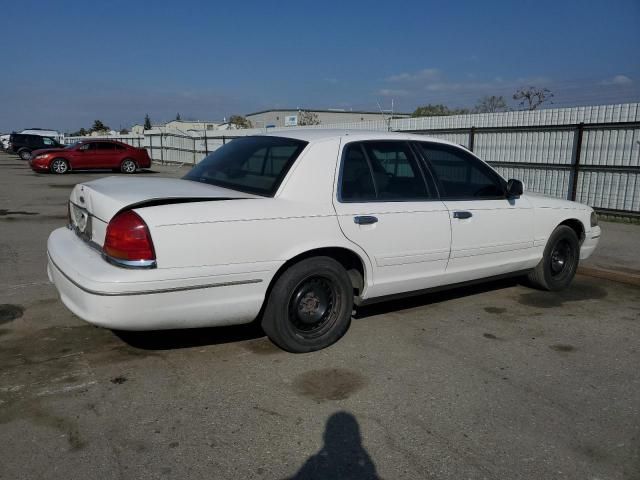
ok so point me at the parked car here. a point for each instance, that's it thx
(43, 132)
(91, 154)
(25, 144)
(4, 141)
(298, 228)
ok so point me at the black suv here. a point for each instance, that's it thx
(23, 144)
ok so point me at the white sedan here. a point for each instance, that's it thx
(296, 228)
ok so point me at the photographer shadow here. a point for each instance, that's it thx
(342, 456)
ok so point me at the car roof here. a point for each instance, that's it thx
(318, 134)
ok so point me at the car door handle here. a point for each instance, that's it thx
(462, 215)
(365, 220)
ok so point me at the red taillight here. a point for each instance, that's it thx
(128, 240)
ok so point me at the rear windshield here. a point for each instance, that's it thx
(249, 164)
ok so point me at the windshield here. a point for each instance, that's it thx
(249, 164)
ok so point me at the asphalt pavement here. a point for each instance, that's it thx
(496, 381)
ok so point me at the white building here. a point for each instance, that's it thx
(290, 117)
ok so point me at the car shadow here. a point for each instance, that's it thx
(433, 297)
(189, 337)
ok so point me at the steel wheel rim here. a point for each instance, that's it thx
(59, 166)
(561, 259)
(312, 306)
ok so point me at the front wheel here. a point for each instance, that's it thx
(25, 155)
(310, 305)
(559, 262)
(128, 166)
(59, 166)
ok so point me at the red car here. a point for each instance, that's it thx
(90, 154)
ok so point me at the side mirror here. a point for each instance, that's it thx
(514, 188)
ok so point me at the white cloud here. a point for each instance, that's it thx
(390, 92)
(422, 75)
(617, 80)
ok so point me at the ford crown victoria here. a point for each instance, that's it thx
(295, 228)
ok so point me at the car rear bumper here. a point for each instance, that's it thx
(590, 243)
(121, 299)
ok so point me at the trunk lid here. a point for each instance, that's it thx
(105, 197)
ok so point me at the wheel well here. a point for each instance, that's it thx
(576, 226)
(350, 260)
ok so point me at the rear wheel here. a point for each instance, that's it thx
(310, 305)
(24, 154)
(59, 166)
(128, 166)
(559, 262)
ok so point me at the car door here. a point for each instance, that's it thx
(105, 155)
(491, 234)
(86, 155)
(388, 205)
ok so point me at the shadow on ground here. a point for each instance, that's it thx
(342, 455)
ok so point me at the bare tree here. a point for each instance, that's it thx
(307, 118)
(532, 97)
(491, 104)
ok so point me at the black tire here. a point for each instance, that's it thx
(59, 166)
(310, 306)
(128, 166)
(25, 154)
(559, 262)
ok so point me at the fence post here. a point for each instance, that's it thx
(223, 140)
(575, 161)
(194, 150)
(151, 146)
(161, 149)
(472, 133)
(206, 144)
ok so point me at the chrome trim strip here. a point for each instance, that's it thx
(132, 264)
(151, 292)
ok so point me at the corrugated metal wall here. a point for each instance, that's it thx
(538, 147)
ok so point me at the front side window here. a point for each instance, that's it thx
(249, 164)
(460, 175)
(381, 171)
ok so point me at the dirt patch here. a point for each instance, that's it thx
(329, 384)
(575, 293)
(119, 380)
(563, 348)
(495, 310)
(9, 313)
(262, 346)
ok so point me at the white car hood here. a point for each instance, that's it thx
(105, 197)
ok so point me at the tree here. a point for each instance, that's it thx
(491, 104)
(437, 111)
(238, 121)
(124, 131)
(98, 126)
(147, 122)
(532, 97)
(307, 118)
(80, 133)
(178, 116)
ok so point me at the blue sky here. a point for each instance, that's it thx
(117, 60)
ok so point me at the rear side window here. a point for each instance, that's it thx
(118, 146)
(460, 175)
(104, 146)
(381, 171)
(249, 164)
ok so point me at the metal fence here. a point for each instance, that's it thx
(587, 154)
